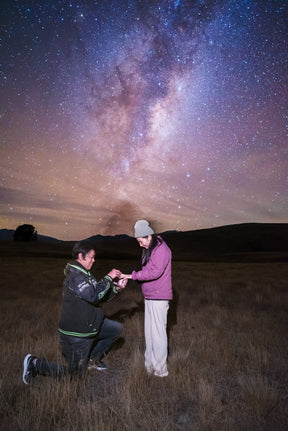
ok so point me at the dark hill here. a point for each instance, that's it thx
(251, 241)
(243, 238)
(7, 235)
(205, 244)
(118, 246)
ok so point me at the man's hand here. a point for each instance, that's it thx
(114, 273)
(121, 284)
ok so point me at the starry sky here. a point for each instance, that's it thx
(113, 111)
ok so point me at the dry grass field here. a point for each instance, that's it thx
(228, 356)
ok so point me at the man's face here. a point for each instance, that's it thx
(88, 260)
(144, 242)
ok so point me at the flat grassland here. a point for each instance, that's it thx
(228, 351)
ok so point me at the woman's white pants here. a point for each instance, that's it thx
(155, 323)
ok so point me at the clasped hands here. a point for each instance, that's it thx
(122, 278)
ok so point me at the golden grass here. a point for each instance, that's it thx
(227, 352)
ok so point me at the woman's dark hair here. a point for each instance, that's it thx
(82, 247)
(146, 253)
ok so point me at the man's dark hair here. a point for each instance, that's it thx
(146, 253)
(82, 247)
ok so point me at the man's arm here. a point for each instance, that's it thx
(92, 291)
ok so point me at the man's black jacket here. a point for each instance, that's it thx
(81, 315)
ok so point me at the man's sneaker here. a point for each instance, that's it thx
(96, 365)
(29, 370)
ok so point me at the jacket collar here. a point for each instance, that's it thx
(76, 265)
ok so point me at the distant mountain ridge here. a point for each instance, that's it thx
(230, 239)
(246, 237)
(7, 235)
(239, 238)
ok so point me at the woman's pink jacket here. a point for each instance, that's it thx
(156, 274)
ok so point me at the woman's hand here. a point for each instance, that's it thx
(128, 276)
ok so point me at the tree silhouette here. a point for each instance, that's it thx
(25, 232)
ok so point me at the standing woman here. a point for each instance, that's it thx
(155, 276)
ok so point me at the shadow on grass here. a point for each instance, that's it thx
(125, 314)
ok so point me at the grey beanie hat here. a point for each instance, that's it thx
(142, 229)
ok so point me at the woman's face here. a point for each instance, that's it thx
(144, 242)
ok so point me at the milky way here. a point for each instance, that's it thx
(174, 111)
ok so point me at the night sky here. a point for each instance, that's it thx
(173, 111)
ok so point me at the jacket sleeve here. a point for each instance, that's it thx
(154, 267)
(92, 291)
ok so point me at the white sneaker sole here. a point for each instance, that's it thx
(25, 367)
